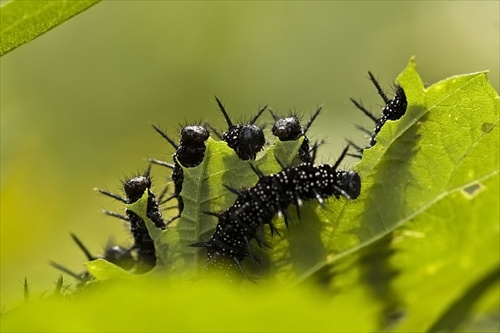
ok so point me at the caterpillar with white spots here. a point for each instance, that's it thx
(134, 189)
(189, 153)
(245, 139)
(289, 129)
(272, 195)
(393, 109)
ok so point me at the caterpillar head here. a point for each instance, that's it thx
(134, 187)
(119, 256)
(287, 129)
(246, 140)
(350, 183)
(195, 135)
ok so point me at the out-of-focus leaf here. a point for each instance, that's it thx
(22, 21)
(173, 305)
(461, 308)
(104, 270)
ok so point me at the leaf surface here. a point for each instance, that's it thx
(23, 21)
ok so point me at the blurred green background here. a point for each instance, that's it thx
(77, 102)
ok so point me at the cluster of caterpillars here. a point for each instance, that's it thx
(254, 207)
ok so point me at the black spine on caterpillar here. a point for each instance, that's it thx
(271, 196)
(289, 129)
(245, 139)
(134, 189)
(394, 109)
(189, 153)
(118, 255)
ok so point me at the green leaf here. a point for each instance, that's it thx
(394, 171)
(462, 307)
(172, 305)
(23, 21)
(416, 252)
(104, 270)
(430, 225)
(203, 192)
(439, 147)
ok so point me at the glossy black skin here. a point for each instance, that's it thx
(393, 109)
(134, 189)
(189, 153)
(245, 139)
(272, 195)
(350, 183)
(192, 145)
(290, 129)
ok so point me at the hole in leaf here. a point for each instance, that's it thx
(472, 190)
(487, 127)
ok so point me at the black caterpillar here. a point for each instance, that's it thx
(134, 189)
(289, 129)
(189, 153)
(118, 255)
(272, 195)
(394, 109)
(245, 139)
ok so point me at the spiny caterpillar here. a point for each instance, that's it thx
(272, 195)
(394, 109)
(118, 255)
(134, 189)
(189, 153)
(245, 139)
(289, 129)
